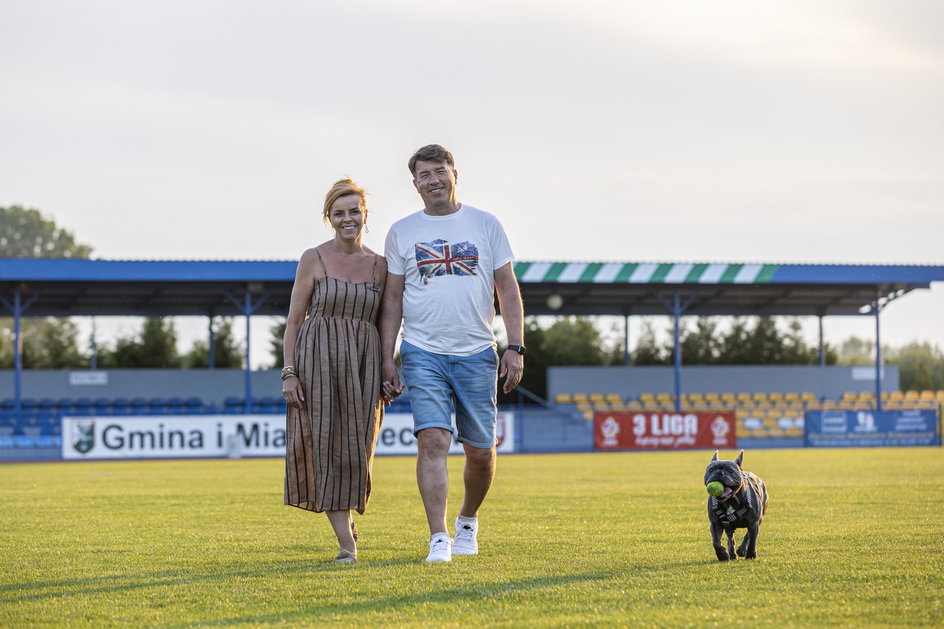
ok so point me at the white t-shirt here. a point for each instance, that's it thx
(448, 263)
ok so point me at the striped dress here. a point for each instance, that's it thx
(330, 440)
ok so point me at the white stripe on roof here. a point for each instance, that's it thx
(678, 273)
(748, 273)
(608, 272)
(572, 272)
(536, 272)
(712, 274)
(643, 272)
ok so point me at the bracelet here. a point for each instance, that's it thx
(288, 372)
(286, 376)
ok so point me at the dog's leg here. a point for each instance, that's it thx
(745, 543)
(716, 542)
(748, 549)
(730, 533)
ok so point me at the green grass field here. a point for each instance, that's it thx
(852, 537)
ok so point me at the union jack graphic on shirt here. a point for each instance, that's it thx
(439, 257)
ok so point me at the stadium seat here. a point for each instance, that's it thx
(82, 407)
(102, 406)
(614, 397)
(579, 397)
(596, 397)
(563, 398)
(157, 405)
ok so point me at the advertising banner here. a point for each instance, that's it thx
(663, 431)
(838, 428)
(209, 436)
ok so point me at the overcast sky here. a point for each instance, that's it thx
(623, 130)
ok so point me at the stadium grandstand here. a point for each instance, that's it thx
(33, 405)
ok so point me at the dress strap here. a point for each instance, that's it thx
(324, 267)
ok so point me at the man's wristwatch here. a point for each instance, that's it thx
(517, 348)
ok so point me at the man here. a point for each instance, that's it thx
(445, 264)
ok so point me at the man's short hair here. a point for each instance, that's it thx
(431, 153)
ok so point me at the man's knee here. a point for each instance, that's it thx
(482, 457)
(433, 442)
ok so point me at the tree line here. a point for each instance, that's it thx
(52, 343)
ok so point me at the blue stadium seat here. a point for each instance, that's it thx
(233, 405)
(47, 403)
(193, 406)
(65, 404)
(102, 406)
(139, 406)
(120, 406)
(175, 406)
(82, 407)
(8, 403)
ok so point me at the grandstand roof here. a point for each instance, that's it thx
(64, 287)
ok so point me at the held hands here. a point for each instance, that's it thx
(392, 387)
(511, 369)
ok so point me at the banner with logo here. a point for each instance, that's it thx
(838, 428)
(209, 436)
(663, 431)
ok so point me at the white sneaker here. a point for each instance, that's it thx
(440, 548)
(465, 542)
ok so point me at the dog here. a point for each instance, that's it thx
(742, 505)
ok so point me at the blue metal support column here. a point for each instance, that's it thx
(877, 308)
(677, 309)
(17, 308)
(248, 307)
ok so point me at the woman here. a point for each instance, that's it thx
(331, 377)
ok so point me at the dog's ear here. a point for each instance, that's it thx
(739, 459)
(715, 457)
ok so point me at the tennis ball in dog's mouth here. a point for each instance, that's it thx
(715, 488)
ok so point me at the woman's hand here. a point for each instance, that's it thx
(292, 392)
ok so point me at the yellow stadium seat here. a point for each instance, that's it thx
(614, 397)
(563, 398)
(791, 396)
(927, 395)
(912, 395)
(596, 397)
(760, 396)
(896, 395)
(579, 397)
(849, 395)
(744, 397)
(634, 405)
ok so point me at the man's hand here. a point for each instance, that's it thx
(392, 387)
(511, 369)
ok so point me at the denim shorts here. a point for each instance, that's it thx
(437, 383)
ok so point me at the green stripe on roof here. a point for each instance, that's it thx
(625, 273)
(661, 271)
(730, 273)
(767, 273)
(695, 274)
(555, 271)
(590, 272)
(521, 268)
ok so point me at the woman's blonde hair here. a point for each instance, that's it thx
(343, 188)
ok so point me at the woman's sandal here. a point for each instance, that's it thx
(346, 556)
